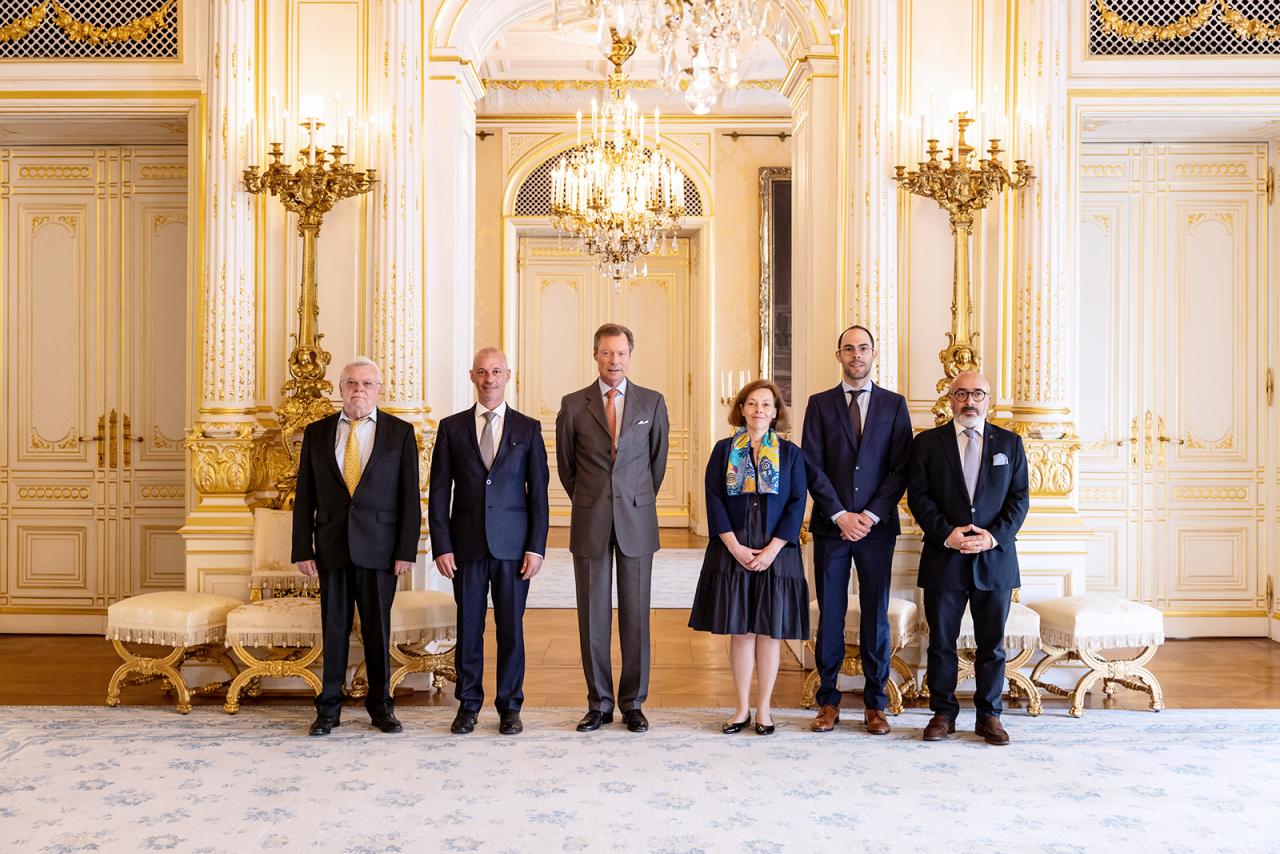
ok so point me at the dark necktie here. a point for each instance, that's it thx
(855, 415)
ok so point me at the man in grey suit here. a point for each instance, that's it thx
(611, 454)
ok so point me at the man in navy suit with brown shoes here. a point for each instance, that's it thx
(857, 442)
(488, 515)
(357, 519)
(968, 491)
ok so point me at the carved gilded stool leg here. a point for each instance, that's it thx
(293, 662)
(149, 669)
(416, 658)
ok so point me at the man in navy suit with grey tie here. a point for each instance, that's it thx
(856, 443)
(488, 515)
(968, 491)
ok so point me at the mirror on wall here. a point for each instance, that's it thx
(775, 276)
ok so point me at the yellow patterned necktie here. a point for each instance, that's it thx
(351, 466)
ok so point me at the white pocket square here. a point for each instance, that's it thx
(643, 421)
(999, 460)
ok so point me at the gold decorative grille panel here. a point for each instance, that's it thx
(89, 29)
(1184, 27)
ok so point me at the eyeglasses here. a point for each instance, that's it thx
(963, 394)
(367, 385)
(861, 349)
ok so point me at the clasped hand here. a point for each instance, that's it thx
(755, 560)
(854, 526)
(978, 540)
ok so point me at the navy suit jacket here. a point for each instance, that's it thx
(872, 477)
(381, 523)
(784, 512)
(501, 512)
(939, 501)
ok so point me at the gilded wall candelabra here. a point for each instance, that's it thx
(961, 188)
(310, 191)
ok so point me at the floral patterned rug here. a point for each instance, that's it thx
(148, 779)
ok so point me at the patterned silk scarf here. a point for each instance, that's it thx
(742, 474)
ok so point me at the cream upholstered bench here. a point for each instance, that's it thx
(1021, 640)
(1077, 628)
(282, 616)
(424, 632)
(903, 626)
(192, 624)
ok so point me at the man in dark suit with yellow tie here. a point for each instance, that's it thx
(968, 491)
(357, 519)
(488, 515)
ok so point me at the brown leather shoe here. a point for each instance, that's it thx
(876, 723)
(828, 717)
(940, 726)
(990, 728)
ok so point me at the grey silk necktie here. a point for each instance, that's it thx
(486, 440)
(972, 461)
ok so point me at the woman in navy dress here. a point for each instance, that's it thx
(752, 584)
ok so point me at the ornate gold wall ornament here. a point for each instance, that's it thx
(1226, 443)
(53, 173)
(1248, 28)
(226, 461)
(1140, 32)
(136, 30)
(1102, 170)
(162, 492)
(1198, 493)
(1215, 170)
(53, 493)
(962, 190)
(164, 172)
(589, 85)
(21, 27)
(1051, 462)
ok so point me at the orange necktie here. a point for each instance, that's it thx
(611, 413)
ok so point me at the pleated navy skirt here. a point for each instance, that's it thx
(733, 600)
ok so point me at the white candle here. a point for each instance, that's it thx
(274, 115)
(311, 140)
(351, 138)
(284, 137)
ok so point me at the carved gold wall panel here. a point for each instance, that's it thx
(93, 356)
(1172, 379)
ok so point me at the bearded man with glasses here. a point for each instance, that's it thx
(967, 489)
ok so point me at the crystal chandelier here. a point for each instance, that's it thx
(617, 197)
(701, 43)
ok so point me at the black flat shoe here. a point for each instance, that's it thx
(636, 721)
(509, 724)
(463, 722)
(761, 729)
(323, 725)
(592, 720)
(387, 723)
(734, 727)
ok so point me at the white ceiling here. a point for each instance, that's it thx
(1176, 127)
(117, 130)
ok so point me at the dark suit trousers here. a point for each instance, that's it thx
(873, 558)
(471, 585)
(593, 578)
(944, 609)
(342, 591)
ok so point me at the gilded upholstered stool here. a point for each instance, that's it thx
(278, 633)
(424, 629)
(903, 621)
(1021, 640)
(192, 625)
(1078, 628)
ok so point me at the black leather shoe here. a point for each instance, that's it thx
(636, 721)
(323, 725)
(592, 720)
(388, 723)
(762, 729)
(509, 723)
(463, 722)
(734, 727)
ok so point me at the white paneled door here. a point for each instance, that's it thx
(563, 300)
(94, 353)
(1173, 410)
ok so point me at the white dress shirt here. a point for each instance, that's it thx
(864, 401)
(499, 419)
(364, 438)
(619, 404)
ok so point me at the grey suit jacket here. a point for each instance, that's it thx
(622, 494)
